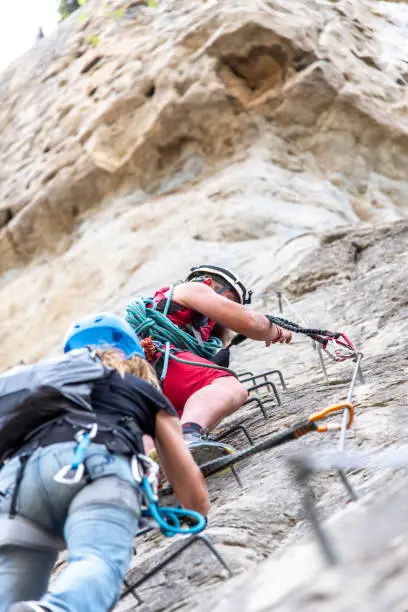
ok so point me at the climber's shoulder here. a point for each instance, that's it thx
(191, 294)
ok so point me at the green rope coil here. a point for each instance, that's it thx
(149, 322)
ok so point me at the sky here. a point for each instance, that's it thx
(19, 23)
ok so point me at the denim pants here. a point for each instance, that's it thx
(98, 531)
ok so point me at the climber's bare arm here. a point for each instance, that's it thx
(178, 464)
(227, 313)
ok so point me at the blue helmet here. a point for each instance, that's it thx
(103, 330)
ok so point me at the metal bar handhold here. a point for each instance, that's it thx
(236, 476)
(159, 566)
(130, 590)
(294, 310)
(259, 403)
(322, 364)
(207, 542)
(250, 379)
(349, 487)
(361, 375)
(268, 385)
(302, 477)
(265, 375)
(316, 345)
(144, 530)
(343, 432)
(354, 377)
(232, 430)
(241, 374)
(279, 296)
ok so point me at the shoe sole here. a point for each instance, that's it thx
(208, 451)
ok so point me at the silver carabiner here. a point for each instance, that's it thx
(135, 467)
(144, 466)
(69, 475)
(339, 354)
(91, 433)
(73, 473)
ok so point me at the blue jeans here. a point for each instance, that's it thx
(98, 530)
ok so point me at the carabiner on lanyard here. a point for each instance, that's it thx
(73, 473)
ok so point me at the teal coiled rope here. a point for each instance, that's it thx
(143, 316)
(148, 321)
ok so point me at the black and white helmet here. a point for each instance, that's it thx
(232, 280)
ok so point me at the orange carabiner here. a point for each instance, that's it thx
(318, 416)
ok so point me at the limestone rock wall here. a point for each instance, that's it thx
(81, 121)
(219, 130)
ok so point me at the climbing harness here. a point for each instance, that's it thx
(167, 352)
(71, 474)
(169, 519)
(312, 423)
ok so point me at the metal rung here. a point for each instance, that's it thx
(231, 430)
(130, 590)
(241, 374)
(265, 375)
(269, 385)
(144, 530)
(162, 564)
(303, 468)
(257, 400)
(236, 476)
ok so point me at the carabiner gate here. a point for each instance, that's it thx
(322, 414)
(144, 468)
(71, 474)
(347, 350)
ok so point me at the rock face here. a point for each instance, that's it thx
(265, 520)
(268, 136)
(148, 98)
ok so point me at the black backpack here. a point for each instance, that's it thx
(32, 395)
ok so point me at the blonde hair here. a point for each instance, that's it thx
(134, 365)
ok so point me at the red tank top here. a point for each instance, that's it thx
(182, 316)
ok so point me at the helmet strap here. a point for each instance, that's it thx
(221, 291)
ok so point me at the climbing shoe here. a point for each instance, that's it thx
(201, 446)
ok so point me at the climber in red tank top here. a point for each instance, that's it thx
(209, 303)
